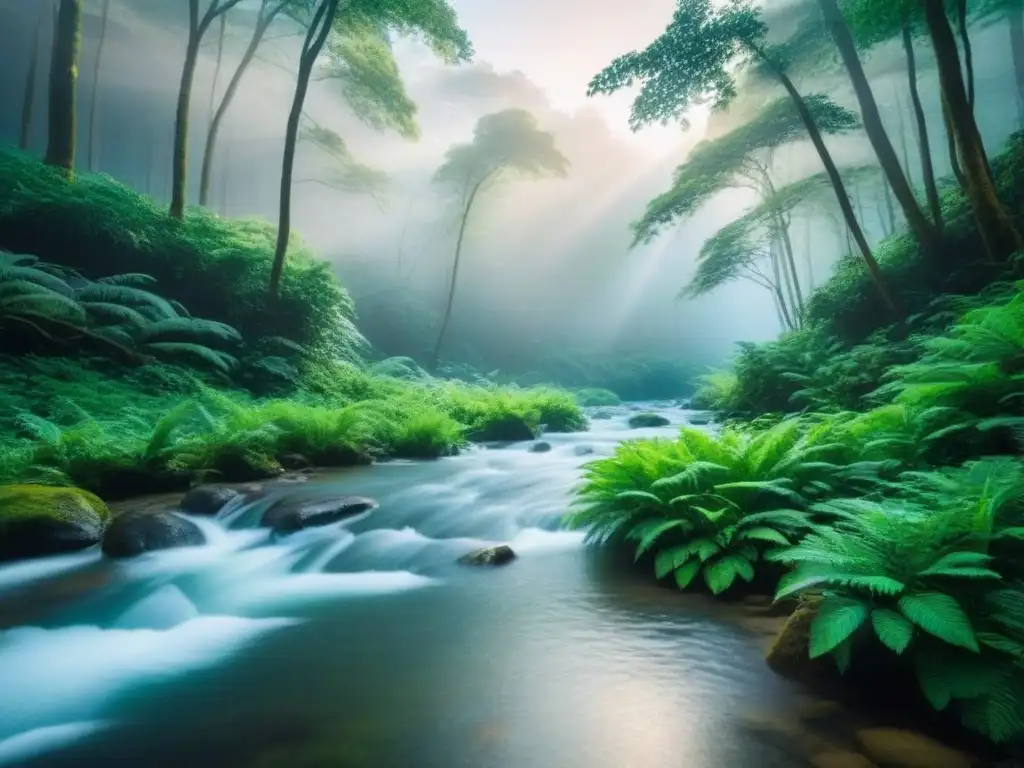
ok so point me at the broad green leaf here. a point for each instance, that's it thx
(720, 573)
(673, 558)
(687, 572)
(940, 615)
(655, 532)
(932, 679)
(893, 630)
(837, 619)
(763, 533)
(639, 496)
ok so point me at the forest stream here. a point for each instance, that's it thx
(366, 644)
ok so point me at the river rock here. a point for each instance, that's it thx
(907, 749)
(499, 555)
(698, 419)
(583, 450)
(294, 462)
(601, 414)
(39, 520)
(789, 655)
(648, 420)
(288, 515)
(207, 500)
(508, 428)
(135, 533)
(540, 447)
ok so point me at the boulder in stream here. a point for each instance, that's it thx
(648, 420)
(540, 447)
(582, 450)
(789, 654)
(135, 533)
(699, 418)
(207, 500)
(39, 520)
(289, 514)
(499, 555)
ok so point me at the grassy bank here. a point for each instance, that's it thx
(870, 472)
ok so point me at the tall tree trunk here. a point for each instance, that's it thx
(96, 85)
(809, 255)
(216, 67)
(923, 229)
(787, 275)
(60, 145)
(890, 209)
(435, 355)
(780, 299)
(316, 36)
(197, 28)
(965, 41)
(954, 159)
(1016, 27)
(28, 100)
(836, 179)
(902, 127)
(262, 24)
(997, 230)
(927, 168)
(787, 246)
(225, 177)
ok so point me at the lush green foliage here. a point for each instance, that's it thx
(158, 427)
(101, 227)
(710, 505)
(930, 575)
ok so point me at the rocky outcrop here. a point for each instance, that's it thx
(135, 533)
(642, 420)
(540, 447)
(38, 520)
(290, 514)
(499, 555)
(207, 500)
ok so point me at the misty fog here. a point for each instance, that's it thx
(547, 266)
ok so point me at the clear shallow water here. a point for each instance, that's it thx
(366, 645)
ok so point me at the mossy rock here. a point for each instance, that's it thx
(502, 554)
(507, 428)
(38, 520)
(789, 655)
(642, 420)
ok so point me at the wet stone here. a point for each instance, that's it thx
(499, 555)
(135, 533)
(207, 500)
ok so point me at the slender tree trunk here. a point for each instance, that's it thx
(787, 275)
(229, 94)
(836, 179)
(923, 229)
(997, 230)
(965, 41)
(809, 255)
(216, 67)
(890, 209)
(60, 145)
(1016, 27)
(902, 127)
(197, 29)
(954, 159)
(773, 256)
(28, 100)
(316, 36)
(225, 176)
(96, 86)
(927, 168)
(435, 355)
(787, 246)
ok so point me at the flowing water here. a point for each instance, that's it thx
(365, 644)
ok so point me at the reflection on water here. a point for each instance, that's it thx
(365, 645)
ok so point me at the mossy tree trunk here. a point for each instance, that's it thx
(923, 230)
(28, 100)
(197, 28)
(316, 36)
(924, 143)
(96, 85)
(60, 144)
(268, 12)
(998, 233)
(836, 180)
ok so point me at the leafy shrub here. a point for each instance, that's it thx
(709, 505)
(102, 227)
(920, 575)
(593, 397)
